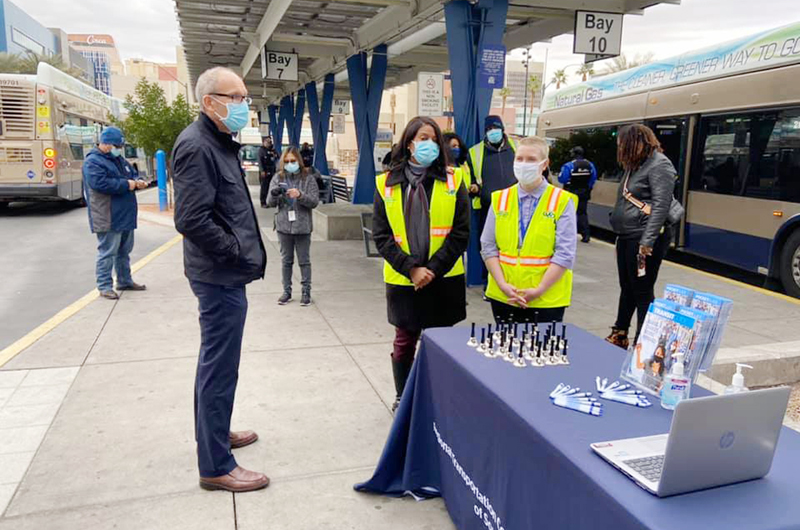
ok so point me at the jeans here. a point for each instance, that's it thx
(113, 251)
(509, 314)
(291, 243)
(223, 311)
(636, 292)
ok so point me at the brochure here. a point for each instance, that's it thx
(720, 309)
(665, 333)
(679, 294)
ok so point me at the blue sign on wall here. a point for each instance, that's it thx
(492, 69)
(31, 174)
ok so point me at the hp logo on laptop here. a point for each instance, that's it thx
(727, 439)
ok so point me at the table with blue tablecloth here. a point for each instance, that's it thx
(484, 435)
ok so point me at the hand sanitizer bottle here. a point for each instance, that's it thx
(676, 385)
(737, 384)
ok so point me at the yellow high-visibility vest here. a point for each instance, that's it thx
(442, 212)
(524, 264)
(476, 153)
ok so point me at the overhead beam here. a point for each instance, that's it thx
(612, 6)
(270, 21)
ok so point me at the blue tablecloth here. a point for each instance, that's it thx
(484, 435)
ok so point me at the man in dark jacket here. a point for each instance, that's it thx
(307, 152)
(109, 186)
(267, 161)
(222, 253)
(578, 176)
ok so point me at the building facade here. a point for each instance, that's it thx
(22, 34)
(102, 53)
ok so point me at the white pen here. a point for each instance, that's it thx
(593, 409)
(628, 400)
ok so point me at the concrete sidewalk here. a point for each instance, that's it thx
(96, 417)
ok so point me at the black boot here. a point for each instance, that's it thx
(400, 371)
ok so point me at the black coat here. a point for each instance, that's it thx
(442, 302)
(222, 242)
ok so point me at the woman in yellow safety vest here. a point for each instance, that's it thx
(421, 229)
(459, 159)
(529, 242)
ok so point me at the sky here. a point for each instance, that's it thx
(148, 29)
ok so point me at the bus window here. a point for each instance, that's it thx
(751, 155)
(130, 151)
(599, 145)
(77, 151)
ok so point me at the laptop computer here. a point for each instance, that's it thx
(713, 441)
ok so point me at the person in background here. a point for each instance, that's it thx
(294, 191)
(307, 153)
(642, 239)
(492, 163)
(578, 177)
(420, 221)
(222, 253)
(386, 163)
(109, 186)
(267, 159)
(459, 159)
(529, 242)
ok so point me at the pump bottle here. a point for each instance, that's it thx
(676, 385)
(737, 383)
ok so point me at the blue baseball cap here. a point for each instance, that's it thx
(112, 136)
(493, 122)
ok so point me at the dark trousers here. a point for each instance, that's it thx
(405, 344)
(583, 217)
(636, 293)
(301, 245)
(265, 179)
(222, 315)
(509, 314)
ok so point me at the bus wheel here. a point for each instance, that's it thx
(3, 205)
(790, 265)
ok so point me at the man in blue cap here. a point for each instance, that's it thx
(109, 187)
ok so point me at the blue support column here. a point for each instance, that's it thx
(273, 127)
(300, 108)
(366, 94)
(470, 27)
(285, 118)
(320, 118)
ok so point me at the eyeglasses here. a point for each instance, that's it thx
(236, 98)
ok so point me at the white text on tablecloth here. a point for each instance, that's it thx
(485, 512)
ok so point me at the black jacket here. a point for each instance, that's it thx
(213, 210)
(498, 170)
(653, 183)
(443, 301)
(267, 160)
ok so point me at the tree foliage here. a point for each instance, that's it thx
(559, 78)
(152, 123)
(27, 64)
(623, 62)
(585, 70)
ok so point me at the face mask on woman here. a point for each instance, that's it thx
(528, 173)
(426, 152)
(455, 152)
(292, 167)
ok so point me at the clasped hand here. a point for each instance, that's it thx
(520, 297)
(421, 276)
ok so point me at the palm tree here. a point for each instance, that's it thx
(559, 78)
(585, 70)
(30, 63)
(9, 63)
(504, 93)
(622, 62)
(534, 86)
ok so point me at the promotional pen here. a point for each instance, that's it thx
(592, 409)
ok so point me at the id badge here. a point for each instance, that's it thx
(292, 216)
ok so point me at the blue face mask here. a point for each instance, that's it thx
(455, 152)
(116, 151)
(238, 116)
(426, 152)
(292, 167)
(495, 136)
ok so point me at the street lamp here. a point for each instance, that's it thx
(184, 85)
(526, 61)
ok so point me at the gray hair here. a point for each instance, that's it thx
(207, 82)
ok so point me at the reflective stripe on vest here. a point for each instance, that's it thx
(442, 212)
(524, 264)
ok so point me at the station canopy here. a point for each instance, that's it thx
(233, 33)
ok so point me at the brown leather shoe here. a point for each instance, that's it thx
(242, 438)
(110, 295)
(238, 481)
(619, 337)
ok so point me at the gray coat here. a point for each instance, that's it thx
(653, 183)
(308, 200)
